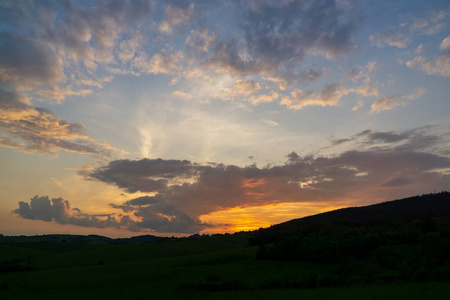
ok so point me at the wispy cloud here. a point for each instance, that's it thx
(405, 32)
(439, 66)
(38, 130)
(392, 38)
(392, 101)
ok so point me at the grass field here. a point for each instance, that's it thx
(217, 267)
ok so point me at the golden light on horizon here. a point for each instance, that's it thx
(254, 217)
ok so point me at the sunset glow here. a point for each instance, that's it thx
(252, 218)
(123, 118)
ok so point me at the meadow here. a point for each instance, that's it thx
(210, 267)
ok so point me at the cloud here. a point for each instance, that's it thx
(405, 160)
(387, 137)
(330, 95)
(392, 101)
(358, 105)
(246, 90)
(445, 44)
(146, 214)
(312, 75)
(434, 23)
(145, 200)
(58, 210)
(182, 94)
(274, 43)
(403, 34)
(368, 87)
(272, 29)
(177, 13)
(226, 58)
(164, 62)
(246, 87)
(27, 62)
(364, 72)
(200, 41)
(133, 204)
(128, 48)
(397, 182)
(147, 175)
(263, 98)
(382, 166)
(165, 218)
(84, 45)
(392, 38)
(63, 51)
(53, 50)
(418, 139)
(439, 66)
(38, 130)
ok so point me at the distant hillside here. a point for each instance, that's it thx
(405, 214)
(79, 239)
(417, 207)
(405, 240)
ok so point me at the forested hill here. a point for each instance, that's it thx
(405, 240)
(417, 207)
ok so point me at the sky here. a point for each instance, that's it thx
(123, 118)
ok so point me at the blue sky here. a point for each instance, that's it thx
(175, 117)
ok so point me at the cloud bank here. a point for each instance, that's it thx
(198, 189)
(386, 165)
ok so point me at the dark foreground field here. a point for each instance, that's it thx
(374, 258)
(217, 267)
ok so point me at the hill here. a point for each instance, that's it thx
(80, 239)
(429, 208)
(397, 241)
(417, 207)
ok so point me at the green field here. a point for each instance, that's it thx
(216, 267)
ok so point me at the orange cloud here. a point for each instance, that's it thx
(38, 130)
